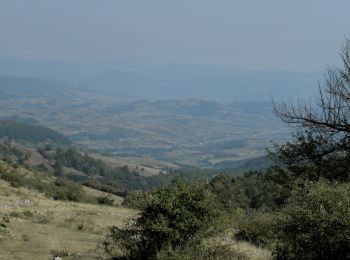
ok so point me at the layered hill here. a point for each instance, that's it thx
(191, 131)
(31, 134)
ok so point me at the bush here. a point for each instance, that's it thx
(67, 190)
(317, 224)
(3, 227)
(108, 186)
(259, 229)
(136, 200)
(175, 216)
(104, 200)
(13, 178)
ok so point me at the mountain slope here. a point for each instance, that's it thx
(11, 86)
(33, 134)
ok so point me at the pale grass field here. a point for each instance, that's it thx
(49, 228)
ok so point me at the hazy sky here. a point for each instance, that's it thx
(254, 34)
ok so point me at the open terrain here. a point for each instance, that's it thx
(193, 132)
(42, 228)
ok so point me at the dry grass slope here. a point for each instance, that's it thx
(53, 228)
(42, 228)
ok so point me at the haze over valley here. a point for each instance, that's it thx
(187, 129)
(151, 113)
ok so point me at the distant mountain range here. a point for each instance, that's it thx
(167, 81)
(186, 81)
(12, 86)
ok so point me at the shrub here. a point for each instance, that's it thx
(317, 224)
(259, 229)
(80, 226)
(13, 178)
(108, 186)
(4, 221)
(175, 216)
(67, 190)
(3, 227)
(104, 200)
(136, 200)
(28, 214)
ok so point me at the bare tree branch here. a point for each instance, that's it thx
(329, 117)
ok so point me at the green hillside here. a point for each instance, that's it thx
(27, 133)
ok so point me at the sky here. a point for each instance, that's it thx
(302, 35)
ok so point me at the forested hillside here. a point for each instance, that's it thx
(31, 134)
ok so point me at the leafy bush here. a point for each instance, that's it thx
(136, 200)
(108, 186)
(104, 200)
(175, 216)
(317, 224)
(3, 227)
(259, 229)
(67, 190)
(229, 191)
(267, 190)
(11, 154)
(13, 178)
(4, 221)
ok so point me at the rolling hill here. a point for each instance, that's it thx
(29, 133)
(193, 131)
(91, 112)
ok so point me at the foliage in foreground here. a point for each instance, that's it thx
(200, 252)
(317, 223)
(174, 217)
(260, 228)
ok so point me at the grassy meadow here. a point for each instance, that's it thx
(49, 228)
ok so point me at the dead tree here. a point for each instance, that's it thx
(323, 127)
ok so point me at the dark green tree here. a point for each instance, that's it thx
(317, 223)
